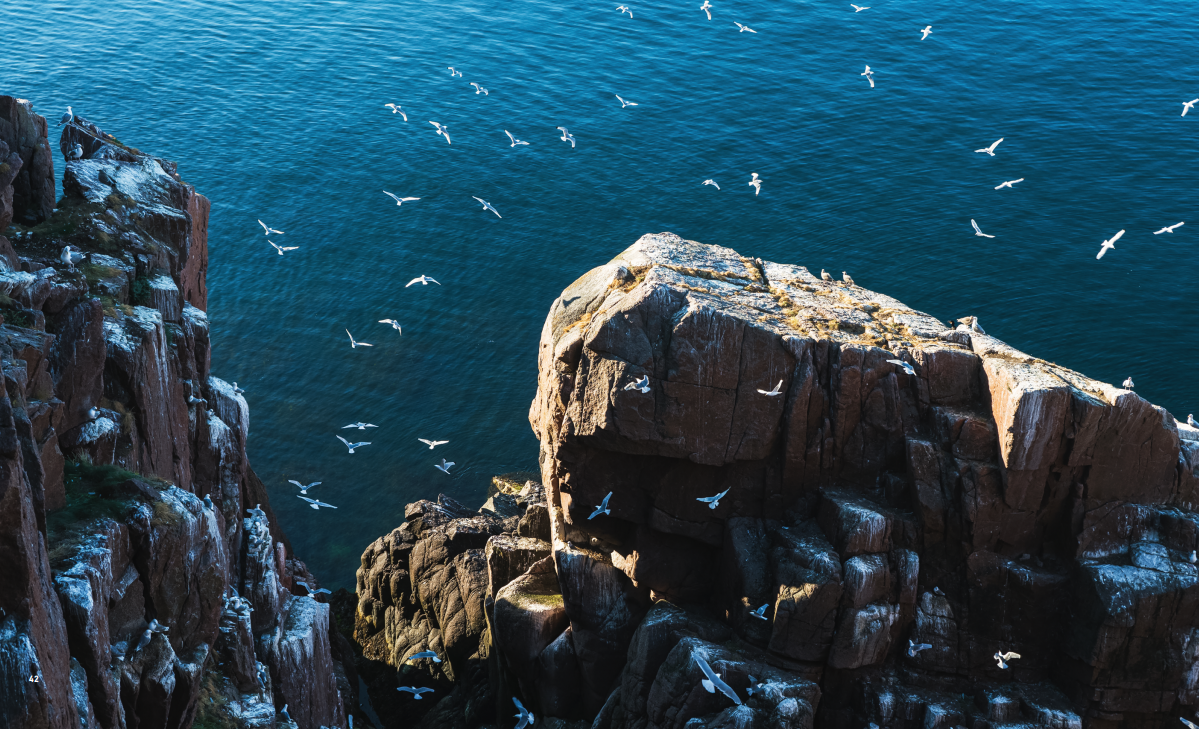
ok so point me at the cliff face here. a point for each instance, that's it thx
(140, 568)
(913, 500)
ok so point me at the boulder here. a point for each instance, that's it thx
(25, 133)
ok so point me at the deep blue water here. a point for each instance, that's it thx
(275, 111)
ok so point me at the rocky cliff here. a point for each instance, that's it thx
(143, 581)
(897, 502)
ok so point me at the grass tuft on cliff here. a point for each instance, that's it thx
(210, 707)
(91, 495)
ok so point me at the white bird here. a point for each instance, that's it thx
(778, 390)
(970, 324)
(625, 9)
(1109, 243)
(1194, 557)
(712, 183)
(453, 72)
(487, 206)
(399, 200)
(1128, 384)
(303, 488)
(712, 681)
(641, 384)
(858, 8)
(867, 72)
(395, 109)
(394, 324)
(978, 230)
(906, 367)
(713, 501)
(525, 716)
(926, 31)
(602, 508)
(69, 115)
(567, 137)
(707, 8)
(416, 692)
(990, 150)
(283, 711)
(237, 390)
(479, 89)
(359, 425)
(432, 443)
(317, 504)
(352, 446)
(424, 654)
(76, 152)
(441, 129)
(1169, 228)
(754, 684)
(755, 183)
(1009, 183)
(744, 28)
(1191, 421)
(624, 103)
(515, 141)
(914, 648)
(422, 280)
(269, 229)
(1186, 105)
(208, 503)
(311, 591)
(355, 344)
(1003, 658)
(825, 275)
(68, 257)
(760, 613)
(279, 249)
(846, 278)
(444, 467)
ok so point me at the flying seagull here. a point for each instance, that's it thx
(269, 229)
(303, 488)
(755, 183)
(354, 344)
(453, 72)
(416, 692)
(432, 443)
(778, 390)
(399, 200)
(914, 648)
(311, 592)
(760, 613)
(858, 8)
(712, 681)
(990, 150)
(978, 230)
(567, 137)
(352, 446)
(515, 141)
(602, 508)
(479, 89)
(906, 367)
(395, 109)
(444, 467)
(525, 716)
(744, 28)
(1168, 228)
(69, 115)
(441, 129)
(707, 8)
(317, 504)
(712, 183)
(625, 9)
(1109, 243)
(394, 324)
(422, 280)
(359, 425)
(641, 384)
(1128, 384)
(624, 103)
(487, 206)
(1186, 106)
(1009, 183)
(1003, 658)
(424, 654)
(280, 249)
(713, 501)
(926, 31)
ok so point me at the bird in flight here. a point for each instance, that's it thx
(926, 31)
(1109, 243)
(755, 183)
(394, 324)
(280, 249)
(869, 76)
(602, 508)
(487, 206)
(432, 443)
(641, 384)
(422, 280)
(525, 716)
(424, 654)
(269, 229)
(625, 9)
(453, 72)
(1186, 105)
(744, 28)
(1168, 228)
(778, 390)
(1128, 384)
(399, 200)
(566, 137)
(444, 467)
(515, 141)
(395, 109)
(311, 592)
(303, 488)
(624, 103)
(978, 230)
(1009, 183)
(416, 692)
(914, 647)
(991, 150)
(906, 367)
(359, 425)
(354, 344)
(712, 183)
(315, 503)
(707, 8)
(479, 89)
(352, 446)
(712, 682)
(858, 8)
(713, 501)
(760, 613)
(1003, 658)
(441, 129)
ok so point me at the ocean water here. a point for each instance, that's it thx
(275, 111)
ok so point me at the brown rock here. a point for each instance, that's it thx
(25, 133)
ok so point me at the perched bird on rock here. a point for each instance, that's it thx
(208, 503)
(1128, 384)
(642, 384)
(158, 627)
(753, 685)
(755, 183)
(778, 390)
(257, 512)
(283, 711)
(846, 278)
(144, 641)
(76, 152)
(444, 467)
(906, 367)
(1003, 658)
(525, 716)
(712, 183)
(416, 692)
(969, 324)
(352, 446)
(69, 257)
(760, 613)
(424, 654)
(422, 280)
(825, 275)
(93, 413)
(712, 682)
(1194, 557)
(237, 390)
(602, 508)
(1191, 421)
(432, 443)
(713, 501)
(70, 115)
(914, 647)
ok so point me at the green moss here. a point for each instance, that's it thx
(139, 292)
(95, 273)
(91, 495)
(512, 482)
(210, 707)
(16, 317)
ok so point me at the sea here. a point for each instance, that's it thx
(275, 111)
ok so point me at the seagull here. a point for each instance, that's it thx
(158, 627)
(444, 467)
(237, 390)
(453, 72)
(624, 103)
(311, 591)
(641, 384)
(760, 613)
(978, 230)
(422, 280)
(625, 9)
(432, 443)
(778, 390)
(515, 141)
(744, 28)
(487, 206)
(76, 152)
(70, 115)
(208, 503)
(825, 275)
(525, 716)
(1191, 421)
(753, 684)
(424, 654)
(303, 488)
(359, 426)
(354, 344)
(1194, 557)
(1002, 658)
(479, 89)
(144, 641)
(602, 508)
(399, 200)
(1168, 228)
(970, 324)
(395, 109)
(858, 8)
(755, 183)
(283, 711)
(350, 445)
(846, 278)
(1009, 183)
(713, 501)
(566, 137)
(1186, 106)
(269, 229)
(906, 367)
(394, 324)
(869, 76)
(926, 31)
(712, 682)
(67, 258)
(707, 8)
(1128, 384)
(712, 183)
(318, 504)
(990, 150)
(280, 249)
(1109, 243)
(441, 129)
(914, 648)
(416, 692)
